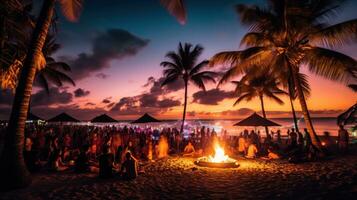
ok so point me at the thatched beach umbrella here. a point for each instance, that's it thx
(63, 117)
(256, 120)
(348, 117)
(32, 117)
(146, 118)
(103, 119)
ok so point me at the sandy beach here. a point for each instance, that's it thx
(179, 178)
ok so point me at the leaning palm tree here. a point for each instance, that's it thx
(258, 84)
(289, 35)
(13, 171)
(183, 65)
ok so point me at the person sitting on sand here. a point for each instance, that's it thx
(252, 151)
(82, 162)
(241, 145)
(129, 168)
(189, 149)
(55, 161)
(272, 155)
(106, 161)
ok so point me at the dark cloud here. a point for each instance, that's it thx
(74, 110)
(56, 96)
(238, 113)
(102, 75)
(156, 85)
(107, 46)
(211, 97)
(81, 92)
(151, 101)
(107, 100)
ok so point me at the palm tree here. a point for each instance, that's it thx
(289, 35)
(290, 86)
(183, 65)
(13, 171)
(256, 83)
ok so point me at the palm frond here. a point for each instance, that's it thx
(246, 97)
(274, 97)
(169, 79)
(353, 87)
(43, 83)
(199, 67)
(71, 9)
(331, 64)
(336, 35)
(176, 8)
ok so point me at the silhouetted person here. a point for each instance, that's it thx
(129, 168)
(118, 154)
(82, 162)
(343, 139)
(106, 163)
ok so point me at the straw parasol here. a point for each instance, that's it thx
(146, 118)
(103, 119)
(256, 120)
(32, 117)
(63, 117)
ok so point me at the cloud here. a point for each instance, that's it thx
(153, 101)
(238, 113)
(81, 92)
(40, 98)
(157, 88)
(55, 97)
(107, 46)
(74, 110)
(102, 76)
(211, 97)
(106, 101)
(90, 104)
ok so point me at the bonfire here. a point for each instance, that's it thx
(218, 160)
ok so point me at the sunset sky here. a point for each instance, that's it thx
(115, 50)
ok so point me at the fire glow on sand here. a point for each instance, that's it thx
(219, 160)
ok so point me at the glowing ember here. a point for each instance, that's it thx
(219, 155)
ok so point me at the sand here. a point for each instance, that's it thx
(179, 178)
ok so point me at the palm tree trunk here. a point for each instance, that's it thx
(263, 111)
(13, 170)
(293, 112)
(314, 138)
(184, 107)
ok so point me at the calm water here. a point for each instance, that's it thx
(320, 125)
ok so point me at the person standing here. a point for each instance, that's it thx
(343, 139)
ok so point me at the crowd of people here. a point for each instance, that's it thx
(110, 150)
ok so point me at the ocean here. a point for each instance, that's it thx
(320, 124)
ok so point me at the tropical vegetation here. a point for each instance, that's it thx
(289, 35)
(183, 65)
